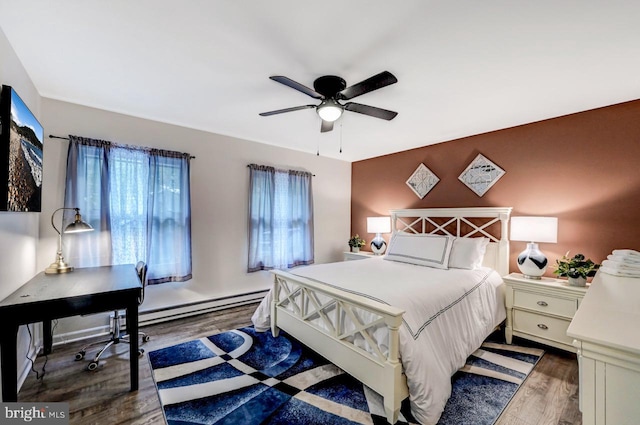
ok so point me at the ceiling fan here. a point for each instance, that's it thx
(331, 89)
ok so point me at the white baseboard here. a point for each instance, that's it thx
(80, 335)
(25, 368)
(178, 312)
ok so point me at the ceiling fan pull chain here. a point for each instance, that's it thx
(341, 122)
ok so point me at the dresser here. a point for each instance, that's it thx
(606, 330)
(541, 310)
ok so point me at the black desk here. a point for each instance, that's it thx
(47, 297)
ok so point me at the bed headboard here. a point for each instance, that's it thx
(490, 222)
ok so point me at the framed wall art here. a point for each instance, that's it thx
(481, 174)
(21, 139)
(422, 181)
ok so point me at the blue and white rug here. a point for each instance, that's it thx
(247, 377)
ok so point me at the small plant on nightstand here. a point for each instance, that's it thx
(577, 269)
(355, 242)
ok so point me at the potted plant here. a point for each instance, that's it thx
(355, 242)
(577, 269)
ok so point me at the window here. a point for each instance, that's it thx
(138, 200)
(280, 218)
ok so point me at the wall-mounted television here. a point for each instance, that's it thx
(21, 143)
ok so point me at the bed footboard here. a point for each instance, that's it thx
(342, 327)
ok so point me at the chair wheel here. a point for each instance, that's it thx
(92, 366)
(140, 352)
(80, 355)
(146, 338)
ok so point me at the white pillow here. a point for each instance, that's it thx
(468, 253)
(422, 250)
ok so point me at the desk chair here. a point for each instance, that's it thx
(116, 335)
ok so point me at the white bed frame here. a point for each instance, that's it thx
(298, 301)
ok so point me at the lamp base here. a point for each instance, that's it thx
(532, 262)
(378, 245)
(59, 266)
(56, 268)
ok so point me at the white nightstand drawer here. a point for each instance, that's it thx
(546, 327)
(545, 303)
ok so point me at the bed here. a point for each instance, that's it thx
(401, 327)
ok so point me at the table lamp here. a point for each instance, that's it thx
(532, 262)
(378, 225)
(77, 226)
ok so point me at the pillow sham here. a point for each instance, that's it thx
(421, 250)
(468, 253)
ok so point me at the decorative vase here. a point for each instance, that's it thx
(577, 281)
(378, 245)
(531, 262)
(355, 249)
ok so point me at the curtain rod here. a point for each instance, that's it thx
(249, 165)
(51, 136)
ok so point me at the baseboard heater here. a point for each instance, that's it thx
(150, 317)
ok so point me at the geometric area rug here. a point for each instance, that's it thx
(248, 377)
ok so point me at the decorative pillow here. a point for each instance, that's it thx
(468, 253)
(422, 250)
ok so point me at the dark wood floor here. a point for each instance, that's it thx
(548, 397)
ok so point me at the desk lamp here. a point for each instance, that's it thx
(77, 226)
(532, 262)
(378, 225)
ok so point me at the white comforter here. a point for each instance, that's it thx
(448, 315)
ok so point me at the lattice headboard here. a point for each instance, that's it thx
(490, 222)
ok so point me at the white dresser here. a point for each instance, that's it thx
(606, 329)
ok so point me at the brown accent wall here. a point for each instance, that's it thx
(583, 168)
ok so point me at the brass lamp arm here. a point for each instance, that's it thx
(77, 210)
(59, 265)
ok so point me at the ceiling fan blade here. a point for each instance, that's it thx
(370, 110)
(376, 82)
(326, 126)
(281, 111)
(295, 85)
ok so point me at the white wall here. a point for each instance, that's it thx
(18, 231)
(219, 183)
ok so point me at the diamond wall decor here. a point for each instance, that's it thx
(422, 181)
(481, 174)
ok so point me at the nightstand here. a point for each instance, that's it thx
(348, 256)
(541, 310)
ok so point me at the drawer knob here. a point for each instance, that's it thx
(543, 326)
(542, 303)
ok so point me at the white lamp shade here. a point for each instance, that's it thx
(534, 229)
(378, 225)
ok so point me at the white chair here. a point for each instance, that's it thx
(116, 336)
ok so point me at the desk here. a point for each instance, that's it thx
(47, 297)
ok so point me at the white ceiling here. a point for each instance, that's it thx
(463, 67)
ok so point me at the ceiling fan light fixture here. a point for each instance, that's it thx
(330, 110)
(330, 90)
